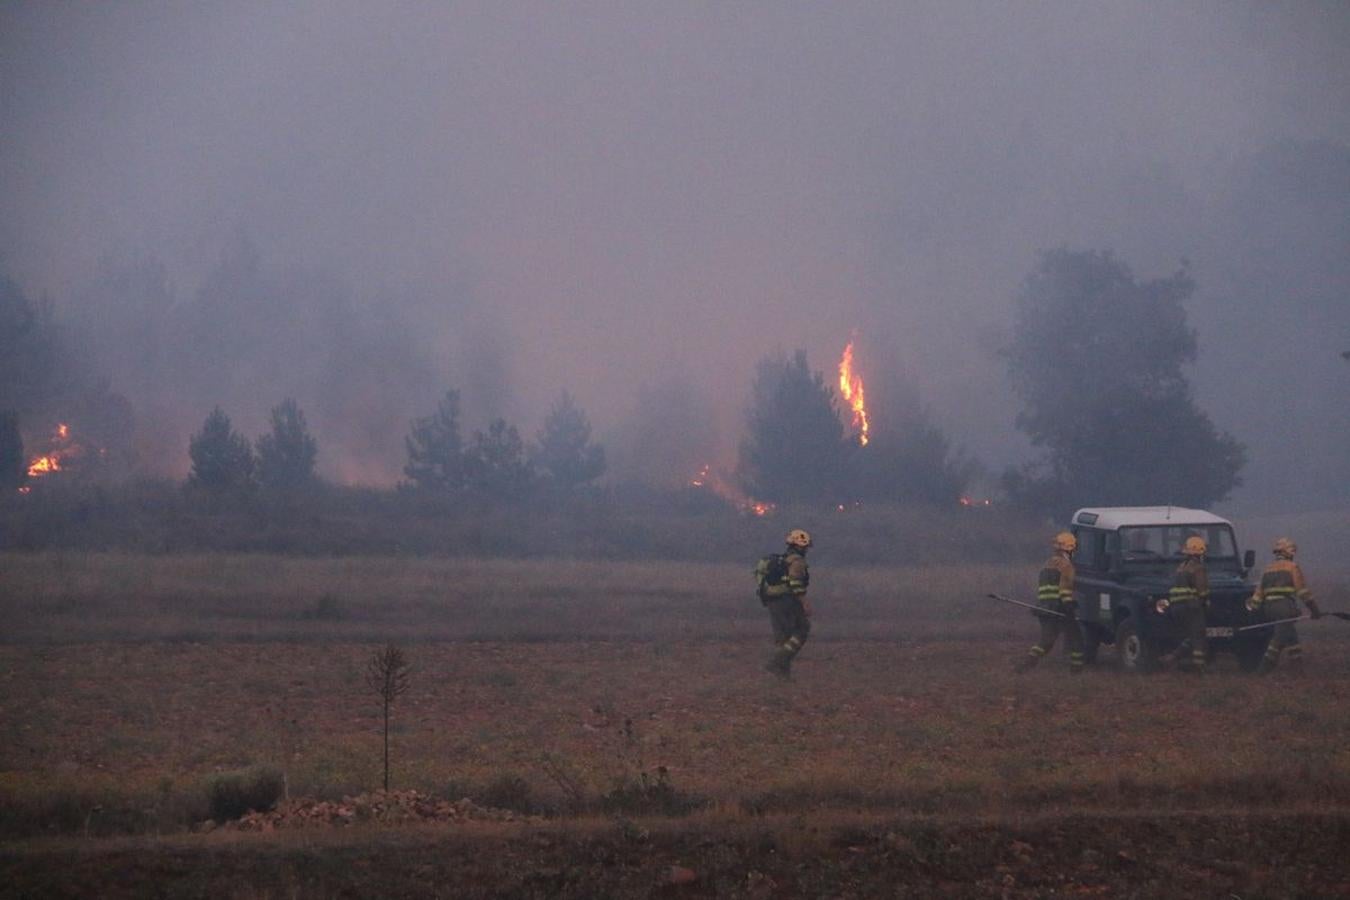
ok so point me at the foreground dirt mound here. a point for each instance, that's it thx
(390, 808)
(1132, 855)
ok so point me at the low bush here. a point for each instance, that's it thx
(232, 794)
(510, 791)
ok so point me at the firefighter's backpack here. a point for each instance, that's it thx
(770, 571)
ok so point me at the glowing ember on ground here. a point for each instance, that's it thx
(709, 479)
(851, 388)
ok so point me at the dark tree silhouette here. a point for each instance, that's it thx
(1097, 359)
(222, 459)
(34, 365)
(495, 465)
(563, 451)
(795, 449)
(910, 461)
(13, 465)
(388, 675)
(286, 454)
(435, 450)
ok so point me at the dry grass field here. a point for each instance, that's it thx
(622, 710)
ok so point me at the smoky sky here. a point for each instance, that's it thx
(612, 197)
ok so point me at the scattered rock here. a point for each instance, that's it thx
(393, 807)
(681, 875)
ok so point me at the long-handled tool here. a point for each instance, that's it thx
(1271, 624)
(1038, 610)
(1336, 615)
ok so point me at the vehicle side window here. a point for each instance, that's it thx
(1089, 553)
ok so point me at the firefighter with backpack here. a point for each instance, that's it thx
(783, 579)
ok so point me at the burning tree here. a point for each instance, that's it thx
(286, 454)
(795, 448)
(222, 459)
(1097, 358)
(435, 451)
(563, 449)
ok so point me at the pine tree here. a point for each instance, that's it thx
(795, 449)
(435, 450)
(563, 451)
(496, 464)
(287, 454)
(222, 459)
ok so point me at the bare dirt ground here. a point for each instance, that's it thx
(904, 758)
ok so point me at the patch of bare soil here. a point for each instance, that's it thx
(1192, 854)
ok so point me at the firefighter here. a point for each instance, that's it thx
(1187, 599)
(1054, 593)
(1281, 586)
(782, 590)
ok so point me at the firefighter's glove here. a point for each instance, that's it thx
(1162, 605)
(1314, 609)
(1252, 603)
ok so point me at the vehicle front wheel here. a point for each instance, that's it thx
(1136, 653)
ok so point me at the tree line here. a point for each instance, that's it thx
(1096, 356)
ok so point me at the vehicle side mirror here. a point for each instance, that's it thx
(1249, 559)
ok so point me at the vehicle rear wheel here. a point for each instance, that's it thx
(1136, 653)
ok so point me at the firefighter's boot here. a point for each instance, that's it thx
(781, 662)
(1294, 660)
(1028, 662)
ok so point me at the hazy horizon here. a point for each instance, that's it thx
(640, 200)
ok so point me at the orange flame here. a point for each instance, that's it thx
(708, 478)
(61, 449)
(44, 465)
(851, 388)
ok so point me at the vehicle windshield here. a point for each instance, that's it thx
(1151, 543)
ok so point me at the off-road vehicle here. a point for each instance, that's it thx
(1125, 562)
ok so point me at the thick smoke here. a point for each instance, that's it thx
(515, 200)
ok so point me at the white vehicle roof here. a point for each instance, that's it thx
(1113, 517)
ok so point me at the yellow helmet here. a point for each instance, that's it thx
(1285, 547)
(799, 539)
(1195, 546)
(1065, 541)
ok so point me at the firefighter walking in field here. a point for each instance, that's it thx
(1054, 593)
(1187, 599)
(1277, 596)
(783, 579)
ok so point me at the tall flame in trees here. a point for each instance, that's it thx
(851, 388)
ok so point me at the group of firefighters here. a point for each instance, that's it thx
(1276, 598)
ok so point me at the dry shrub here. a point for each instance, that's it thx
(232, 794)
(510, 791)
